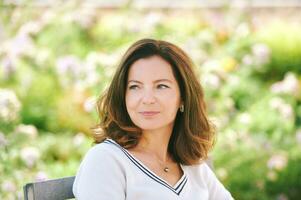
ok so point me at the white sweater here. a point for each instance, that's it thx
(110, 172)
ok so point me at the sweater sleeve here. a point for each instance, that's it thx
(215, 188)
(100, 176)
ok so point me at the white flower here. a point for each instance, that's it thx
(30, 155)
(283, 108)
(211, 65)
(289, 85)
(211, 80)
(9, 106)
(31, 27)
(3, 140)
(41, 176)
(261, 53)
(8, 186)
(243, 30)
(70, 70)
(48, 16)
(86, 16)
(298, 136)
(78, 139)
(151, 20)
(29, 130)
(90, 104)
(21, 44)
(286, 111)
(244, 118)
(277, 162)
(247, 59)
(276, 102)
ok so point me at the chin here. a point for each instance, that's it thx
(151, 126)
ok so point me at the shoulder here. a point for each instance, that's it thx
(201, 168)
(107, 151)
(203, 175)
(101, 166)
(202, 172)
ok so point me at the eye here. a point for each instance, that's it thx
(162, 86)
(133, 87)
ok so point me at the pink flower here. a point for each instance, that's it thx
(41, 176)
(8, 67)
(69, 65)
(20, 45)
(261, 53)
(277, 162)
(289, 85)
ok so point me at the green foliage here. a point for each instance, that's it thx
(287, 180)
(38, 104)
(284, 40)
(72, 39)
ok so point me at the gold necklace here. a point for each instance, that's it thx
(166, 169)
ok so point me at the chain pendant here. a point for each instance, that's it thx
(166, 169)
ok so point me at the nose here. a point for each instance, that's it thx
(148, 97)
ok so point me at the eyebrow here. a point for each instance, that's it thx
(159, 80)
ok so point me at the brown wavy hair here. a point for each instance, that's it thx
(193, 134)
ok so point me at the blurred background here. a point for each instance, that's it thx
(56, 58)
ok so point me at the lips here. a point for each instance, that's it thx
(149, 113)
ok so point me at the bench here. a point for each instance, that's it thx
(55, 189)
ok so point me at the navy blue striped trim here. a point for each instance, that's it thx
(183, 186)
(182, 183)
(149, 173)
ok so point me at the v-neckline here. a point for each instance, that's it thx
(177, 187)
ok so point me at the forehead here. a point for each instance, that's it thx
(151, 68)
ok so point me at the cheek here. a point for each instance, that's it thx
(173, 99)
(130, 101)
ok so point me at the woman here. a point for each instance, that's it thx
(154, 134)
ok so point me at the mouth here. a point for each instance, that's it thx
(149, 113)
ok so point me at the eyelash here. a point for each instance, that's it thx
(165, 86)
(132, 87)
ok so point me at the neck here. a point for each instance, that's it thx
(155, 143)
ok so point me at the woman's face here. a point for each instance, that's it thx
(152, 95)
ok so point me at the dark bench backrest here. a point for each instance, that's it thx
(56, 189)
